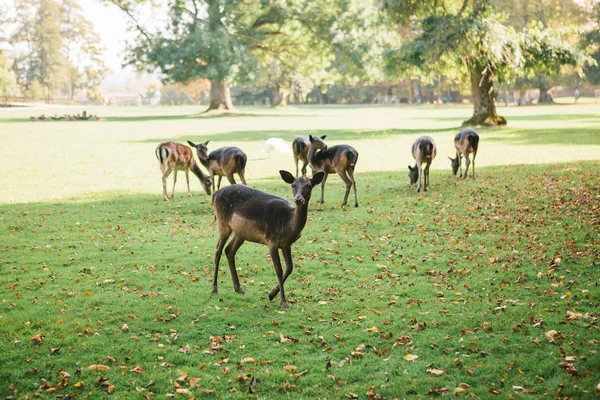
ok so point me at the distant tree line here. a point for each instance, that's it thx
(48, 48)
(316, 52)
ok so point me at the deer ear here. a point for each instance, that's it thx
(206, 143)
(450, 158)
(323, 137)
(317, 178)
(191, 144)
(287, 177)
(311, 138)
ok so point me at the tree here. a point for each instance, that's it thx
(38, 32)
(8, 81)
(470, 36)
(82, 45)
(208, 39)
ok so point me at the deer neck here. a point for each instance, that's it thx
(311, 153)
(197, 171)
(299, 218)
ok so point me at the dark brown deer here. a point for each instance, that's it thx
(465, 142)
(258, 217)
(176, 157)
(300, 146)
(424, 151)
(225, 161)
(341, 159)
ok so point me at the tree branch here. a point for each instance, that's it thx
(128, 12)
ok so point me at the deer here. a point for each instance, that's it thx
(300, 146)
(225, 161)
(176, 157)
(341, 159)
(258, 217)
(465, 142)
(423, 151)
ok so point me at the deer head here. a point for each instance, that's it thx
(201, 149)
(455, 163)
(318, 143)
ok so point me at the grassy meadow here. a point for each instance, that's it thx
(478, 288)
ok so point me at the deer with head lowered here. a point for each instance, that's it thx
(300, 146)
(424, 151)
(465, 142)
(341, 159)
(255, 216)
(176, 157)
(225, 161)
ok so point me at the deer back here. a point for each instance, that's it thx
(424, 150)
(227, 159)
(333, 157)
(466, 141)
(300, 145)
(255, 216)
(175, 153)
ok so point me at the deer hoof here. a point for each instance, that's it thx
(355, 204)
(215, 290)
(284, 304)
(240, 290)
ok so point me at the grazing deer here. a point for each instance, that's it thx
(225, 161)
(466, 142)
(262, 218)
(424, 151)
(300, 146)
(176, 157)
(341, 159)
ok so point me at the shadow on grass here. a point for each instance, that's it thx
(564, 136)
(251, 136)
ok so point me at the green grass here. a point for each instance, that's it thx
(470, 276)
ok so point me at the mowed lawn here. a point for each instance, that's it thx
(478, 288)
(58, 160)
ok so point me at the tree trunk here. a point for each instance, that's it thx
(545, 97)
(220, 97)
(484, 102)
(281, 96)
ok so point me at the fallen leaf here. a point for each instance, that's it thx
(125, 328)
(373, 329)
(247, 360)
(98, 367)
(290, 367)
(550, 335)
(434, 371)
(39, 338)
(410, 357)
(79, 384)
(137, 370)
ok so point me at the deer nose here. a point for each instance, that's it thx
(299, 200)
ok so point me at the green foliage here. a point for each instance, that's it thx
(8, 82)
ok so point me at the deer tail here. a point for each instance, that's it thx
(162, 154)
(474, 142)
(240, 161)
(352, 157)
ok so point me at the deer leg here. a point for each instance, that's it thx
(323, 188)
(303, 169)
(223, 236)
(219, 183)
(296, 162)
(212, 179)
(279, 272)
(351, 175)
(289, 267)
(230, 251)
(174, 182)
(242, 177)
(459, 164)
(474, 155)
(467, 162)
(348, 183)
(164, 183)
(187, 179)
(426, 176)
(420, 172)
